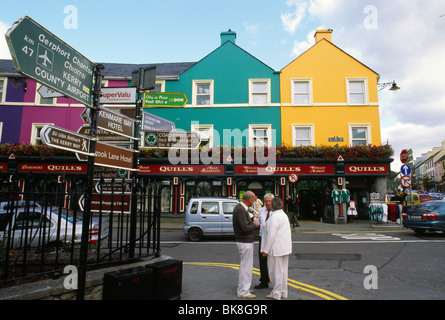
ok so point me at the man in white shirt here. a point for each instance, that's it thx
(264, 214)
(276, 244)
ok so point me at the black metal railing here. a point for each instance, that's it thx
(41, 220)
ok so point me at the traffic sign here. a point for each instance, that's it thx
(46, 92)
(111, 156)
(293, 178)
(172, 140)
(405, 170)
(66, 140)
(152, 122)
(404, 155)
(104, 136)
(164, 99)
(406, 181)
(114, 122)
(102, 203)
(41, 56)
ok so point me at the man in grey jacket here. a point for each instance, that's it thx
(245, 230)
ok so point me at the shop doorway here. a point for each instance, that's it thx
(313, 203)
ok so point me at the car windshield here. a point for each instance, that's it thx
(428, 206)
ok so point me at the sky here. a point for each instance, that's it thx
(402, 40)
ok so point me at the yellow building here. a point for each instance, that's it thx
(328, 97)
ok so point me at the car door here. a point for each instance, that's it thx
(227, 216)
(210, 217)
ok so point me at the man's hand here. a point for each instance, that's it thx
(256, 223)
(264, 254)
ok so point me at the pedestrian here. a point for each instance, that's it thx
(245, 230)
(277, 246)
(264, 214)
(258, 204)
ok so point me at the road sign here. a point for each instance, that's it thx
(405, 170)
(293, 178)
(404, 156)
(114, 122)
(164, 99)
(406, 181)
(102, 203)
(148, 78)
(116, 95)
(172, 140)
(46, 92)
(41, 56)
(104, 136)
(111, 156)
(152, 122)
(66, 140)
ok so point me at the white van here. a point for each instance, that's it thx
(209, 217)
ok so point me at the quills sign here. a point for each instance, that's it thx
(382, 169)
(51, 167)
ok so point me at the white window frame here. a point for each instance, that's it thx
(365, 88)
(3, 97)
(253, 127)
(303, 126)
(34, 136)
(38, 96)
(251, 93)
(195, 92)
(199, 127)
(293, 93)
(366, 126)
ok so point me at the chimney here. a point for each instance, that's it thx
(323, 34)
(228, 36)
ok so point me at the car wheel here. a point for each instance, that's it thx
(419, 231)
(195, 234)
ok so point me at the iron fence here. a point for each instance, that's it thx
(41, 220)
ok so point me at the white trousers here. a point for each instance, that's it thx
(278, 271)
(245, 268)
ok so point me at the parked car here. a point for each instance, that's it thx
(414, 197)
(425, 197)
(427, 216)
(209, 217)
(34, 226)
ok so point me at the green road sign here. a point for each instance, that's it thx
(164, 99)
(40, 55)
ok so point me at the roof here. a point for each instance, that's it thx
(118, 70)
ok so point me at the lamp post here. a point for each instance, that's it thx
(383, 85)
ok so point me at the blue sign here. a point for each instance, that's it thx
(405, 170)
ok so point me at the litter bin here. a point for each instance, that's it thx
(128, 284)
(167, 279)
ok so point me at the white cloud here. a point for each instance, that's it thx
(292, 20)
(251, 28)
(4, 50)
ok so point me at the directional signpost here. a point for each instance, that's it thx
(114, 122)
(153, 122)
(172, 140)
(65, 139)
(40, 55)
(164, 99)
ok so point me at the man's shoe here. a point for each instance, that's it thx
(262, 286)
(248, 296)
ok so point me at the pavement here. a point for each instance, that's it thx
(217, 281)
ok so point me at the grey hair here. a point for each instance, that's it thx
(276, 203)
(268, 195)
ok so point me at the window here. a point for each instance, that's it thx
(302, 135)
(202, 92)
(228, 207)
(357, 91)
(205, 131)
(2, 89)
(260, 135)
(259, 91)
(35, 133)
(301, 92)
(359, 134)
(209, 208)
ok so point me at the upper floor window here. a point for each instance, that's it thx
(357, 91)
(302, 135)
(202, 93)
(205, 131)
(301, 91)
(2, 89)
(35, 133)
(359, 134)
(259, 91)
(42, 100)
(260, 135)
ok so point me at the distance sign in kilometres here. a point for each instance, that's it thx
(41, 56)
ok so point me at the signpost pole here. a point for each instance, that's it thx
(134, 174)
(89, 188)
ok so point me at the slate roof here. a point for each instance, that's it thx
(118, 70)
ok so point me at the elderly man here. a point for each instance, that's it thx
(245, 230)
(264, 214)
(276, 244)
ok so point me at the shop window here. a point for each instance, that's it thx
(165, 199)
